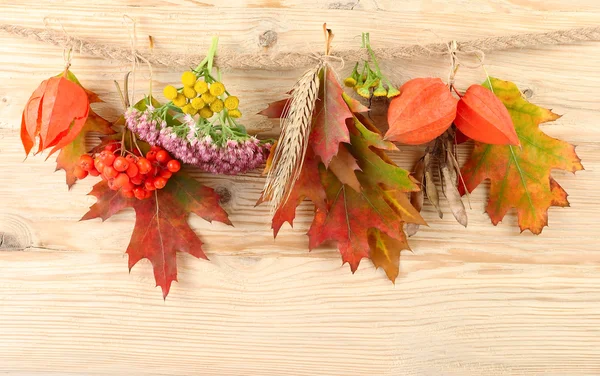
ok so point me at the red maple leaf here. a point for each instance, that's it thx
(161, 227)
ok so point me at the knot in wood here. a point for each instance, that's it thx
(267, 39)
(14, 233)
(224, 194)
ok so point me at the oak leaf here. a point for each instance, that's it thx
(161, 227)
(520, 177)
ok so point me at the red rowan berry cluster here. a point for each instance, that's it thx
(134, 175)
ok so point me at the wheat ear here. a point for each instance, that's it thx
(291, 148)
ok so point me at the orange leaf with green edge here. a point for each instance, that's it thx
(520, 177)
(161, 227)
(69, 155)
(480, 115)
(55, 114)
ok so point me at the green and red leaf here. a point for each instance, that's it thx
(520, 177)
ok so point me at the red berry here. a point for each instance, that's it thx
(110, 172)
(160, 182)
(94, 172)
(163, 156)
(130, 158)
(132, 170)
(120, 164)
(111, 147)
(137, 180)
(144, 165)
(149, 184)
(86, 162)
(99, 165)
(127, 194)
(139, 193)
(174, 165)
(79, 172)
(166, 174)
(121, 180)
(151, 155)
(112, 185)
(148, 194)
(155, 148)
(107, 157)
(128, 186)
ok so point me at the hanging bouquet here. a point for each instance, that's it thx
(141, 158)
(199, 125)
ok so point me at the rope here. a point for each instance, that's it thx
(294, 60)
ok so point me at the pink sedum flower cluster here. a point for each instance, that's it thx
(230, 157)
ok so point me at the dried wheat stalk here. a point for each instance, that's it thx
(291, 148)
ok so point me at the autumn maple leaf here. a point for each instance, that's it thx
(161, 227)
(357, 219)
(360, 195)
(520, 177)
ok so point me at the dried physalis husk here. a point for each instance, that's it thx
(417, 198)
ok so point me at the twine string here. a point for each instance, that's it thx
(296, 60)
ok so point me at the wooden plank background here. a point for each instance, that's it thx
(479, 301)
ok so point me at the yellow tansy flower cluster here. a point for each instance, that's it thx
(199, 97)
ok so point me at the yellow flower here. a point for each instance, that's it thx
(206, 112)
(197, 103)
(217, 105)
(380, 91)
(170, 92)
(208, 98)
(217, 88)
(188, 109)
(188, 78)
(201, 87)
(392, 92)
(235, 114)
(363, 92)
(189, 92)
(180, 100)
(232, 102)
(350, 82)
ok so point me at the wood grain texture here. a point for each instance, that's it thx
(479, 301)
